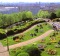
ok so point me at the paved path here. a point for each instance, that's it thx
(3, 51)
(30, 41)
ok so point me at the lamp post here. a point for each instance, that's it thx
(7, 41)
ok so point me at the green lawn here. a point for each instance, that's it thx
(27, 35)
(52, 46)
(16, 51)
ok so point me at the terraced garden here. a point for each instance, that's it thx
(51, 46)
(28, 35)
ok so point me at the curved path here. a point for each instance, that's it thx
(30, 41)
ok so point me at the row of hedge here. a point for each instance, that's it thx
(19, 30)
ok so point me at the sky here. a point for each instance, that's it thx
(30, 1)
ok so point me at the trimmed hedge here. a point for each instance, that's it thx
(2, 36)
(27, 26)
(18, 30)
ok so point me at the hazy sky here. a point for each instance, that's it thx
(29, 0)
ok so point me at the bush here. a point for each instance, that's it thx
(16, 37)
(52, 16)
(33, 51)
(10, 32)
(2, 36)
(23, 54)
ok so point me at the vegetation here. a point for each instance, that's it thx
(43, 14)
(47, 43)
(27, 35)
(27, 19)
(8, 19)
(52, 16)
(29, 50)
(58, 13)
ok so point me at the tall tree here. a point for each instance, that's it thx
(43, 14)
(29, 15)
(24, 18)
(58, 13)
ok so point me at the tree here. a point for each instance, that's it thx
(58, 13)
(20, 16)
(29, 15)
(3, 20)
(24, 18)
(43, 14)
(52, 16)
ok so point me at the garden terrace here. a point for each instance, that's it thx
(22, 28)
(47, 43)
(19, 28)
(28, 35)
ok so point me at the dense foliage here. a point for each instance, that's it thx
(52, 16)
(58, 13)
(43, 14)
(34, 51)
(29, 50)
(8, 19)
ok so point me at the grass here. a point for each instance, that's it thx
(52, 46)
(44, 53)
(27, 35)
(2, 31)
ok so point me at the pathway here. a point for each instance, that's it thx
(3, 51)
(30, 41)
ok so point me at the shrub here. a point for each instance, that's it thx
(2, 36)
(10, 32)
(33, 51)
(23, 28)
(52, 16)
(23, 54)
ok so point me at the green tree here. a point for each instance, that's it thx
(3, 20)
(29, 15)
(20, 16)
(52, 16)
(10, 19)
(43, 14)
(58, 13)
(24, 18)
